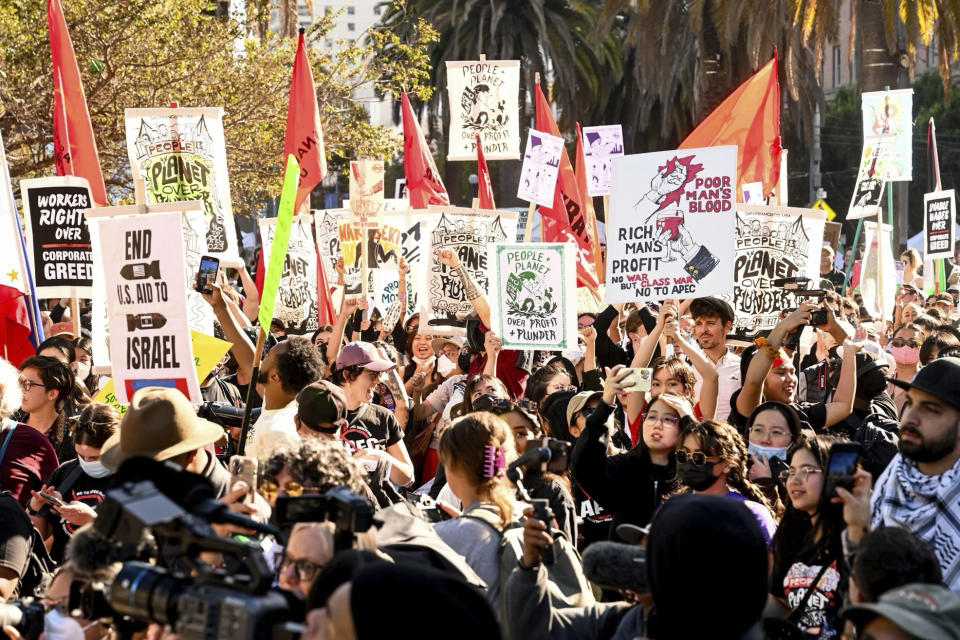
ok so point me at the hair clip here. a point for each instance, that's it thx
(494, 461)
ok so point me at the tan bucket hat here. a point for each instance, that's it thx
(160, 423)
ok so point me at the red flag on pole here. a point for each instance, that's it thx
(566, 219)
(484, 185)
(424, 186)
(749, 118)
(304, 137)
(325, 312)
(580, 172)
(74, 147)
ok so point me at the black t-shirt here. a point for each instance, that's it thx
(256, 402)
(812, 413)
(222, 391)
(836, 277)
(371, 427)
(15, 528)
(83, 489)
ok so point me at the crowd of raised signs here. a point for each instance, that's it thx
(764, 491)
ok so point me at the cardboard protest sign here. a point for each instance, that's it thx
(57, 238)
(772, 243)
(389, 204)
(383, 246)
(366, 189)
(939, 218)
(349, 234)
(878, 278)
(180, 155)
(888, 115)
(147, 305)
(468, 232)
(870, 180)
(671, 225)
(600, 146)
(541, 164)
(326, 223)
(533, 299)
(484, 100)
(831, 233)
(297, 305)
(384, 287)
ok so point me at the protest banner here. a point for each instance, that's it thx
(889, 115)
(939, 218)
(600, 145)
(383, 245)
(58, 241)
(533, 295)
(831, 232)
(297, 305)
(389, 204)
(180, 155)
(146, 301)
(349, 235)
(468, 232)
(671, 226)
(772, 243)
(484, 99)
(366, 189)
(326, 223)
(878, 274)
(541, 164)
(869, 187)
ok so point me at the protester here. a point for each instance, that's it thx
(829, 271)
(321, 411)
(905, 348)
(713, 319)
(910, 612)
(313, 466)
(887, 558)
(47, 384)
(309, 548)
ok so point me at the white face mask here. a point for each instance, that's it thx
(94, 469)
(445, 365)
(768, 452)
(57, 626)
(83, 370)
(573, 355)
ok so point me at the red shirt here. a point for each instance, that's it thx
(512, 376)
(27, 462)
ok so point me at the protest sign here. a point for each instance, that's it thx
(385, 287)
(400, 189)
(468, 232)
(869, 186)
(878, 284)
(297, 305)
(533, 295)
(383, 246)
(939, 218)
(541, 164)
(326, 223)
(484, 100)
(600, 145)
(889, 115)
(366, 189)
(146, 302)
(58, 241)
(772, 243)
(831, 234)
(200, 315)
(671, 225)
(349, 234)
(281, 240)
(389, 204)
(180, 155)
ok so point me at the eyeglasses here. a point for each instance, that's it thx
(26, 385)
(667, 420)
(759, 433)
(270, 489)
(800, 474)
(698, 458)
(306, 570)
(900, 342)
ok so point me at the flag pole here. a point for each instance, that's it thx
(251, 390)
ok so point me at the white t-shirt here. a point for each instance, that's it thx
(273, 430)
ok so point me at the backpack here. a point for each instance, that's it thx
(877, 437)
(38, 571)
(567, 584)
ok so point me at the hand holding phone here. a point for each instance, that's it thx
(841, 466)
(641, 377)
(244, 469)
(207, 275)
(52, 499)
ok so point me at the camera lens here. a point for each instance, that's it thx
(146, 592)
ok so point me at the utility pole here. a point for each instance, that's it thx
(815, 158)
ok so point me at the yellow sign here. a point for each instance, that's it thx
(207, 352)
(823, 206)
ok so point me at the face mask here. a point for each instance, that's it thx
(94, 469)
(463, 362)
(697, 478)
(445, 365)
(905, 354)
(83, 370)
(767, 452)
(573, 355)
(57, 626)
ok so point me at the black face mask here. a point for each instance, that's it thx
(697, 478)
(463, 362)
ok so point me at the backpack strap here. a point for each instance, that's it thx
(814, 586)
(6, 441)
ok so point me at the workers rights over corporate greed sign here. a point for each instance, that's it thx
(57, 236)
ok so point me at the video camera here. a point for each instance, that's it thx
(228, 417)
(348, 512)
(800, 288)
(544, 454)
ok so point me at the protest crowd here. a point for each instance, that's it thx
(416, 421)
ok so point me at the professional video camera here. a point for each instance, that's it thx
(348, 512)
(544, 454)
(26, 616)
(228, 417)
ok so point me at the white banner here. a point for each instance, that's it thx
(180, 155)
(484, 99)
(326, 222)
(878, 275)
(541, 163)
(296, 305)
(671, 225)
(533, 300)
(146, 303)
(939, 218)
(869, 186)
(889, 115)
(600, 146)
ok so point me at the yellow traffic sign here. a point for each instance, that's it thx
(823, 206)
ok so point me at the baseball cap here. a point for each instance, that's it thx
(940, 378)
(925, 611)
(953, 289)
(322, 403)
(362, 354)
(579, 401)
(437, 343)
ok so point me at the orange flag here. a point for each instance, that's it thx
(484, 185)
(591, 216)
(749, 118)
(74, 147)
(424, 186)
(566, 220)
(304, 137)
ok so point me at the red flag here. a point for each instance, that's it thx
(580, 172)
(304, 138)
(424, 186)
(15, 330)
(325, 313)
(566, 219)
(74, 147)
(261, 270)
(750, 119)
(484, 185)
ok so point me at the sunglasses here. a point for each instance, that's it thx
(900, 342)
(698, 458)
(270, 489)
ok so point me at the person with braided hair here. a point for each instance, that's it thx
(712, 459)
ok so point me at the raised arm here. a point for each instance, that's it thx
(710, 388)
(449, 258)
(842, 404)
(336, 338)
(492, 347)
(251, 297)
(242, 348)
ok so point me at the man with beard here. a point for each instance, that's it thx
(713, 319)
(920, 489)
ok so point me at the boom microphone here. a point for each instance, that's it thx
(614, 565)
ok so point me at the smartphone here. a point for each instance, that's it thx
(841, 466)
(52, 499)
(207, 274)
(244, 468)
(640, 378)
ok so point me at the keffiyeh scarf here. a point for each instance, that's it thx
(927, 506)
